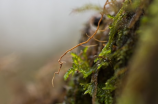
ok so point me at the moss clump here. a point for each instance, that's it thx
(80, 64)
(100, 80)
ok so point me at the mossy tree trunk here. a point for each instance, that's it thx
(126, 70)
(141, 85)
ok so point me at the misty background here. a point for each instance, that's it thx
(32, 32)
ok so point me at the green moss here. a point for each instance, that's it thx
(80, 64)
(100, 80)
(105, 92)
(113, 29)
(110, 16)
(88, 87)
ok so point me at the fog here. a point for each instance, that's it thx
(38, 26)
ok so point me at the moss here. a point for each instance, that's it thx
(80, 65)
(102, 79)
(140, 86)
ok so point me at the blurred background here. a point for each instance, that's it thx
(33, 33)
